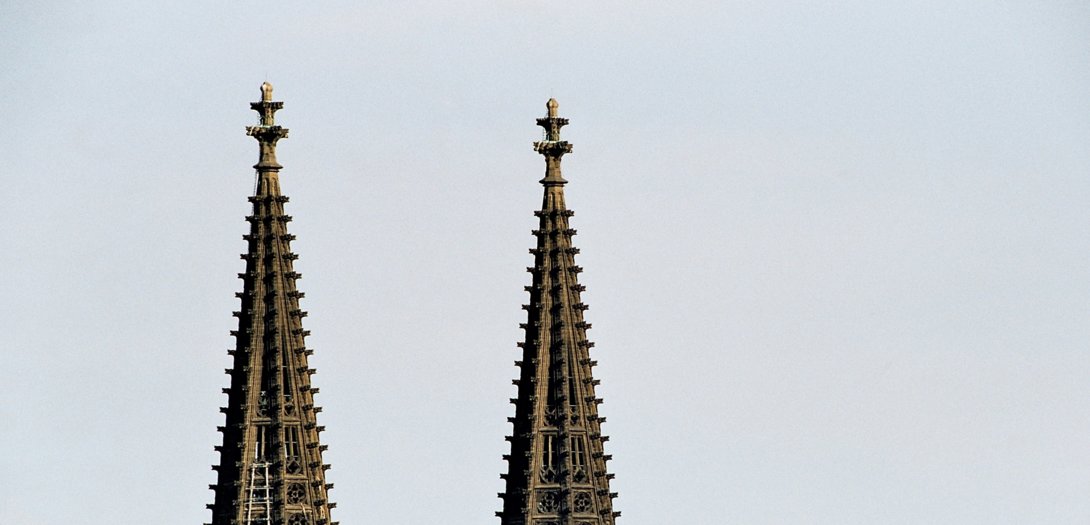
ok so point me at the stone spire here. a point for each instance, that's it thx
(557, 467)
(270, 470)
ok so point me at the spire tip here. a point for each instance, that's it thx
(266, 92)
(552, 105)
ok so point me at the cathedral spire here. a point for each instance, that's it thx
(557, 466)
(270, 470)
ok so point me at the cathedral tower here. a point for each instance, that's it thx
(270, 470)
(557, 466)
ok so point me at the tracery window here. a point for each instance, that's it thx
(291, 442)
(547, 501)
(582, 502)
(550, 457)
(291, 450)
(296, 493)
(260, 444)
(298, 519)
(578, 459)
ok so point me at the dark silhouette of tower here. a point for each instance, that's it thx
(557, 467)
(270, 470)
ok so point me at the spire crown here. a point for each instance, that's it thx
(551, 146)
(552, 122)
(267, 132)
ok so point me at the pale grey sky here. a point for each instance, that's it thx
(835, 252)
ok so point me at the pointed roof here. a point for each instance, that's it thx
(270, 470)
(557, 466)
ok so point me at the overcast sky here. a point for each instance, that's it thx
(835, 251)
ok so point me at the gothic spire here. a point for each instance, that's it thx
(270, 470)
(557, 466)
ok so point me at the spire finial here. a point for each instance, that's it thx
(552, 147)
(267, 133)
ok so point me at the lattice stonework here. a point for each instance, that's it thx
(557, 466)
(270, 470)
